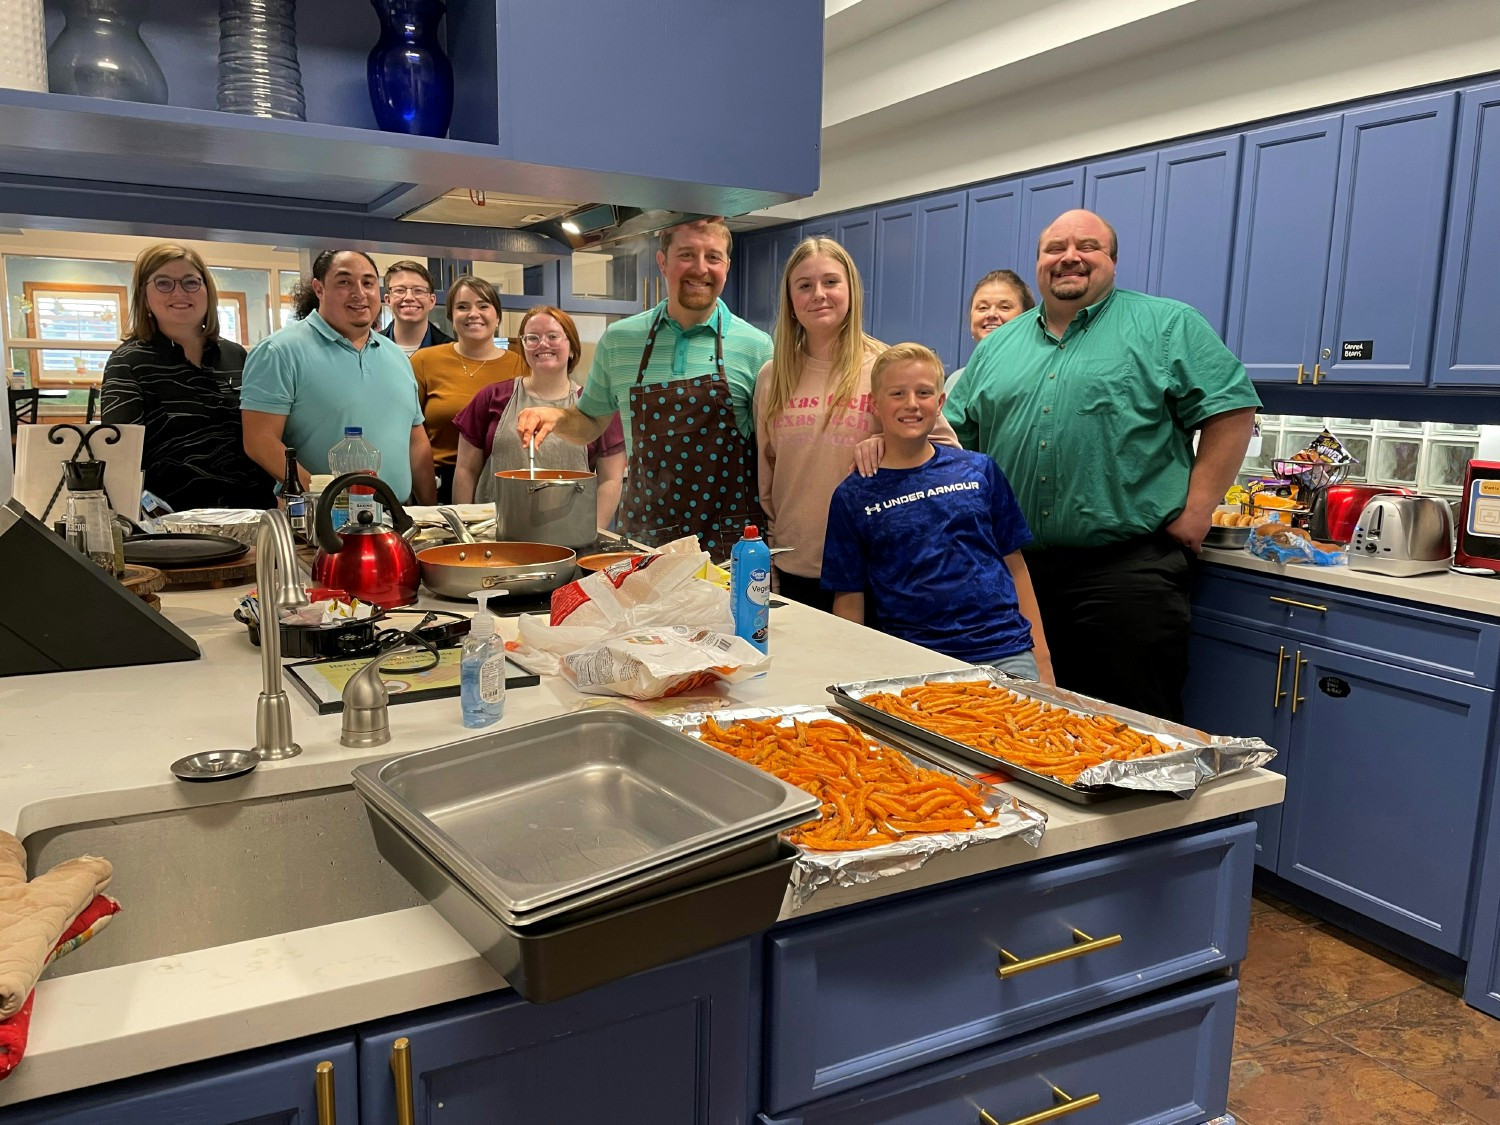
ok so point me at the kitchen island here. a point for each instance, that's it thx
(94, 747)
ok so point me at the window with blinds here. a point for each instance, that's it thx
(57, 311)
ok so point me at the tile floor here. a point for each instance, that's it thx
(1334, 1031)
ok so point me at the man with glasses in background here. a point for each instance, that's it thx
(327, 370)
(411, 297)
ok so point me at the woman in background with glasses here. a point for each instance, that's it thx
(449, 375)
(488, 443)
(176, 376)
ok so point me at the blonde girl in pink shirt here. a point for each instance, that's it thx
(813, 406)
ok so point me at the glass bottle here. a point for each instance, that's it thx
(90, 525)
(258, 69)
(100, 53)
(293, 498)
(411, 80)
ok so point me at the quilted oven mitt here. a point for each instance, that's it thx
(34, 915)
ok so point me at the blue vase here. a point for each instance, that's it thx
(411, 80)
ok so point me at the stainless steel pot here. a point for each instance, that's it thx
(549, 506)
(455, 570)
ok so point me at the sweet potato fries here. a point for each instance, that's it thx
(871, 794)
(1041, 737)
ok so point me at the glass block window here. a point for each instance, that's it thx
(1444, 466)
(1395, 460)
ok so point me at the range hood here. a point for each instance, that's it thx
(580, 225)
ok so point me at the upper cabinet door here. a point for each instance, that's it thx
(992, 241)
(1192, 235)
(1387, 239)
(856, 233)
(1284, 227)
(1467, 351)
(919, 274)
(758, 260)
(1044, 197)
(1123, 193)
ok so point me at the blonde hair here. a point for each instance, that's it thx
(142, 324)
(898, 354)
(790, 338)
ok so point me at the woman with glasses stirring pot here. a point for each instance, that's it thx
(177, 377)
(488, 442)
(449, 375)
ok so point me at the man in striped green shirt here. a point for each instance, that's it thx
(682, 378)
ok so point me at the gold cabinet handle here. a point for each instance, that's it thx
(1301, 374)
(1318, 373)
(406, 1109)
(1062, 1106)
(1082, 944)
(1299, 605)
(328, 1113)
(645, 291)
(1297, 681)
(1280, 664)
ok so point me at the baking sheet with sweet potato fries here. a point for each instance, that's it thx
(1069, 745)
(882, 812)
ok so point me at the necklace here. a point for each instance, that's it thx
(465, 366)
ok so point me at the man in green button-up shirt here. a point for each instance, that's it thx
(1089, 404)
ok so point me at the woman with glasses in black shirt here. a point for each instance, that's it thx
(175, 376)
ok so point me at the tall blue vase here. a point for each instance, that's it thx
(411, 80)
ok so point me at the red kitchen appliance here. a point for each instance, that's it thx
(366, 559)
(1336, 509)
(1479, 517)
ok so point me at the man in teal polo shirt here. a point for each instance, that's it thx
(1089, 404)
(682, 377)
(327, 370)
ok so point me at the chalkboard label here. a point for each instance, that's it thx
(1332, 685)
(1358, 349)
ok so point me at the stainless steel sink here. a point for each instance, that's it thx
(200, 877)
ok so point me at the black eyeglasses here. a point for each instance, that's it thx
(165, 285)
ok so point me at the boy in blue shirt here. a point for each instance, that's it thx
(930, 546)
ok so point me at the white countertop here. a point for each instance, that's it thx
(1442, 590)
(84, 746)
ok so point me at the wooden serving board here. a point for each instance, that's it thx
(213, 576)
(143, 581)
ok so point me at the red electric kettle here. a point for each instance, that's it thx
(365, 559)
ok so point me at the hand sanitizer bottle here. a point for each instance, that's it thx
(481, 668)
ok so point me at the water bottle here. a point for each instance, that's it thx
(750, 587)
(354, 455)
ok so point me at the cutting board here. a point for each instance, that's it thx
(215, 576)
(39, 469)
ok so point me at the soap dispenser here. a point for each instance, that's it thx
(481, 668)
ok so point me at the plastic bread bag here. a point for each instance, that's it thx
(1282, 544)
(659, 589)
(653, 663)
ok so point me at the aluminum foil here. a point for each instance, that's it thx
(813, 869)
(1201, 757)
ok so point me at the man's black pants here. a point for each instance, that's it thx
(1117, 619)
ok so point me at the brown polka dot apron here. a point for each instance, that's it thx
(691, 470)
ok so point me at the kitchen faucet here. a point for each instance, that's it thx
(278, 584)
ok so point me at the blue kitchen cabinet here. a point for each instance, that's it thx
(1163, 1060)
(1045, 196)
(671, 1046)
(1387, 240)
(1123, 192)
(1284, 228)
(760, 260)
(1192, 231)
(1467, 348)
(1238, 685)
(1482, 982)
(992, 241)
(918, 294)
(274, 1086)
(855, 232)
(1382, 808)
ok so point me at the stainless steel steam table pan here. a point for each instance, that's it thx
(558, 959)
(582, 807)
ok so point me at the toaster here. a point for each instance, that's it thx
(1402, 536)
